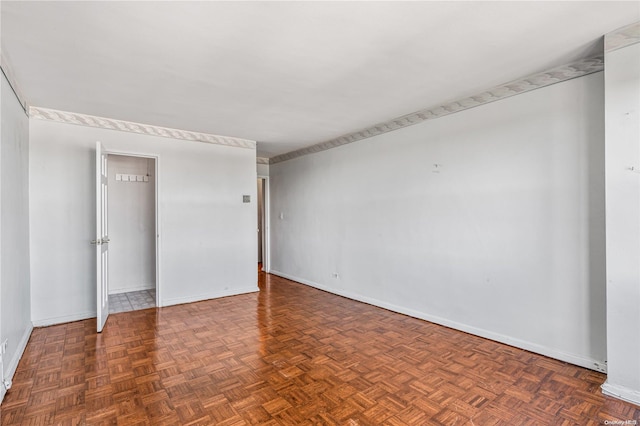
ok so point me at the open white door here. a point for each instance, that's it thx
(102, 237)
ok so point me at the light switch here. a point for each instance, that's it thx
(246, 198)
(118, 176)
(140, 178)
(125, 178)
(146, 179)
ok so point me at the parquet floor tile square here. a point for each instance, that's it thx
(292, 355)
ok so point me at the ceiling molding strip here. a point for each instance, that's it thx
(536, 81)
(7, 70)
(128, 126)
(622, 37)
(262, 160)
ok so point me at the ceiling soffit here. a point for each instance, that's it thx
(7, 70)
(614, 40)
(536, 81)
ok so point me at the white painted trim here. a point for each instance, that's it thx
(208, 296)
(262, 160)
(169, 302)
(131, 153)
(158, 239)
(131, 127)
(13, 364)
(579, 360)
(570, 71)
(621, 392)
(266, 254)
(130, 289)
(22, 345)
(622, 37)
(44, 322)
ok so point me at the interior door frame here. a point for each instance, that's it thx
(155, 157)
(266, 231)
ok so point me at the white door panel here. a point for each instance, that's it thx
(102, 238)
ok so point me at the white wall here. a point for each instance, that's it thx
(15, 309)
(262, 169)
(132, 225)
(505, 239)
(207, 235)
(622, 107)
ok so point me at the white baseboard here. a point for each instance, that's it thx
(166, 302)
(22, 345)
(13, 364)
(579, 360)
(132, 288)
(207, 296)
(621, 392)
(66, 318)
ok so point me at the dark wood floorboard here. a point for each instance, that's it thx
(292, 355)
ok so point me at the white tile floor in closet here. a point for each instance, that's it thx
(132, 301)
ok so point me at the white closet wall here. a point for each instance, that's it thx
(131, 224)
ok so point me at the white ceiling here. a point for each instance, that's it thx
(287, 74)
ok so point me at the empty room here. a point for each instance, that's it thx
(319, 213)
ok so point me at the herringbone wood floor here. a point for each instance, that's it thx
(292, 355)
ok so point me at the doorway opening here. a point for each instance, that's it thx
(132, 223)
(263, 224)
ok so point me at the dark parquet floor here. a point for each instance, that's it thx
(292, 355)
